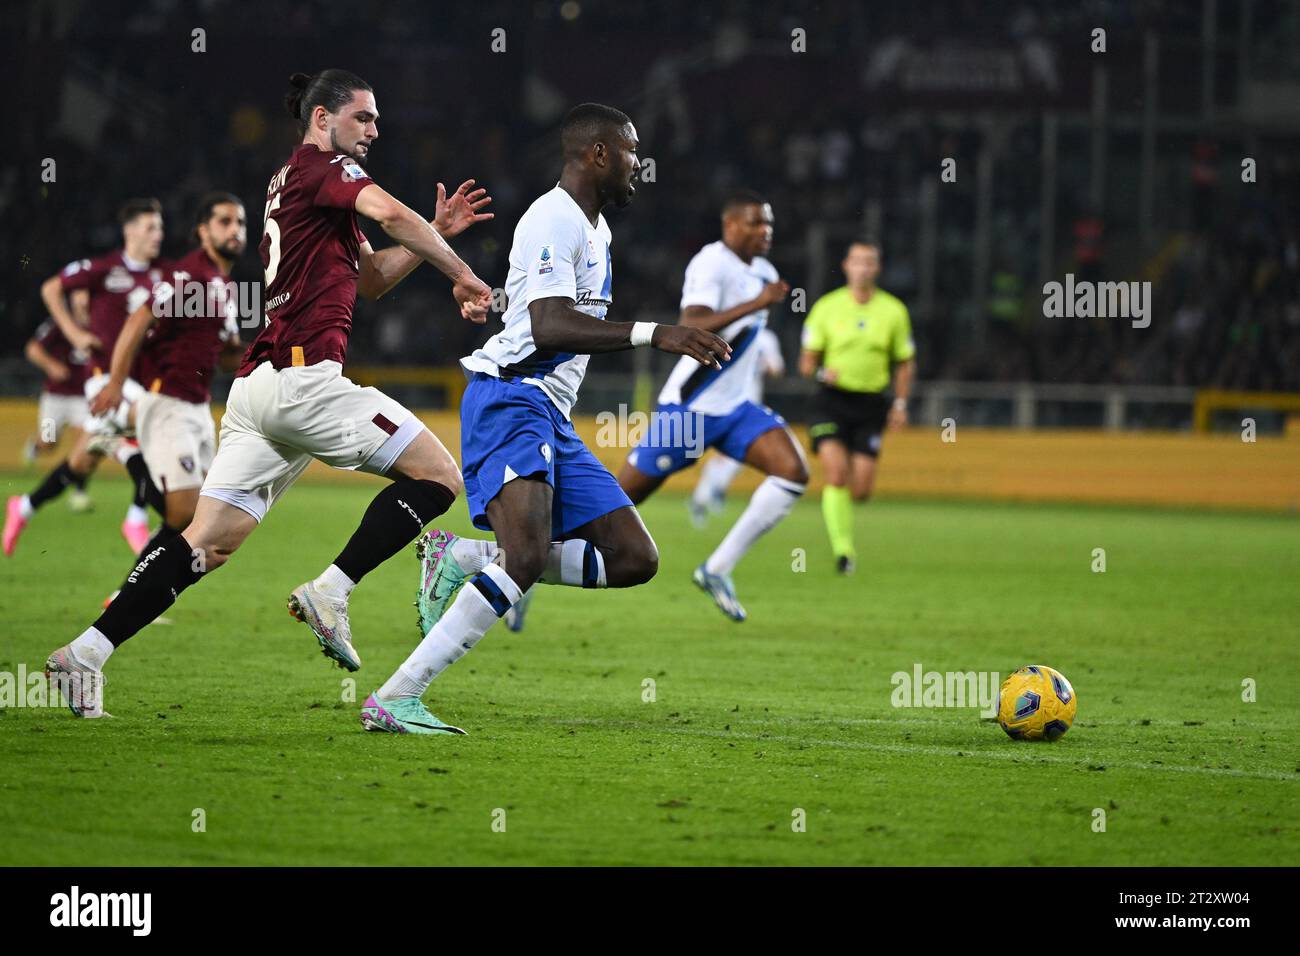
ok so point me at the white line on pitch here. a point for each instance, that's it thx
(927, 750)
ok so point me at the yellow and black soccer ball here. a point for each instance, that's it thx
(1036, 703)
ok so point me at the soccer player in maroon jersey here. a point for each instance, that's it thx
(290, 402)
(117, 283)
(173, 419)
(63, 403)
(63, 408)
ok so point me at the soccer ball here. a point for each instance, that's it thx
(1036, 703)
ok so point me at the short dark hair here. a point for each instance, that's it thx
(210, 201)
(740, 198)
(138, 207)
(870, 241)
(331, 89)
(587, 123)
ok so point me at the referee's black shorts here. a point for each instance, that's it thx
(856, 419)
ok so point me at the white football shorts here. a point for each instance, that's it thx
(277, 421)
(58, 412)
(177, 439)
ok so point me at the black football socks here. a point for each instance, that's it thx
(391, 522)
(164, 570)
(54, 484)
(146, 492)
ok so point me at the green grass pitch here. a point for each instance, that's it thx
(232, 710)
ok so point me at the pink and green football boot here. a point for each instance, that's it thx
(402, 715)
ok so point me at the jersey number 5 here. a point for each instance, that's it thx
(272, 230)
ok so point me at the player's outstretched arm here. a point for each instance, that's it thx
(57, 304)
(409, 229)
(702, 317)
(382, 270)
(129, 341)
(559, 327)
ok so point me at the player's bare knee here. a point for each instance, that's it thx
(524, 562)
(453, 481)
(210, 548)
(635, 564)
(647, 563)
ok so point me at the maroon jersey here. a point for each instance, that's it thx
(116, 290)
(195, 313)
(50, 337)
(310, 251)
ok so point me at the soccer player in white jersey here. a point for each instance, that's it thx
(728, 289)
(719, 471)
(557, 513)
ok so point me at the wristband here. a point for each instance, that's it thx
(642, 332)
(900, 403)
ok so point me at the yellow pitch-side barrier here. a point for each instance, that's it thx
(1209, 400)
(1162, 469)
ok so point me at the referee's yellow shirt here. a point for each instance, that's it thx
(859, 342)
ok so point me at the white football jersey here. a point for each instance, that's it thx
(556, 252)
(720, 279)
(770, 362)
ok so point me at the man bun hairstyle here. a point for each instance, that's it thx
(331, 89)
(138, 207)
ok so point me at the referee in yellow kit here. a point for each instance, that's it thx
(855, 340)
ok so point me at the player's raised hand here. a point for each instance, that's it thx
(473, 297)
(106, 399)
(705, 347)
(460, 210)
(773, 292)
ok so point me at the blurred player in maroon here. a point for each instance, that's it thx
(290, 402)
(63, 402)
(173, 420)
(117, 283)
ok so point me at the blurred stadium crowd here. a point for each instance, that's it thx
(840, 138)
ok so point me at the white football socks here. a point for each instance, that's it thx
(136, 515)
(25, 507)
(576, 563)
(716, 476)
(771, 502)
(92, 648)
(482, 600)
(473, 554)
(335, 583)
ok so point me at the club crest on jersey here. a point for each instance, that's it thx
(187, 463)
(118, 280)
(545, 262)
